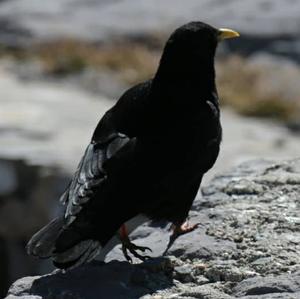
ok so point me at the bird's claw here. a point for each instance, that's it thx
(179, 230)
(132, 248)
(184, 228)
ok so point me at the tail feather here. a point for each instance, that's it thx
(82, 253)
(74, 252)
(42, 243)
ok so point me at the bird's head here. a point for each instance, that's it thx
(198, 37)
(191, 48)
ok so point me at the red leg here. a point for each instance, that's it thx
(127, 245)
(123, 231)
(178, 230)
(184, 228)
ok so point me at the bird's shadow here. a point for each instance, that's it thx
(114, 280)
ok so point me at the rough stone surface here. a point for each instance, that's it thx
(266, 285)
(247, 246)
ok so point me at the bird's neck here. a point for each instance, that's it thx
(194, 81)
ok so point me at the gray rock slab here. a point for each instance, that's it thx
(287, 283)
(274, 296)
(113, 280)
(205, 292)
(46, 123)
(203, 246)
(247, 246)
(23, 297)
(8, 178)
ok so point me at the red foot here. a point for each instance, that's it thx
(184, 228)
(179, 230)
(127, 245)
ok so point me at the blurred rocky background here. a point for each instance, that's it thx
(64, 62)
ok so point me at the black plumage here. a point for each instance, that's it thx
(147, 155)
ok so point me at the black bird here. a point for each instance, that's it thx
(147, 155)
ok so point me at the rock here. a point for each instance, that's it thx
(112, 280)
(31, 125)
(97, 20)
(209, 247)
(20, 286)
(205, 292)
(266, 25)
(8, 178)
(184, 273)
(247, 246)
(274, 296)
(243, 187)
(34, 198)
(23, 297)
(288, 283)
(223, 273)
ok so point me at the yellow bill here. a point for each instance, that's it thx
(225, 33)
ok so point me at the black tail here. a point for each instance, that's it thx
(44, 245)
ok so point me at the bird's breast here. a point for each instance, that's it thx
(182, 146)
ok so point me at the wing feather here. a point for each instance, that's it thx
(90, 174)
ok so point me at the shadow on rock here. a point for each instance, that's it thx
(112, 280)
